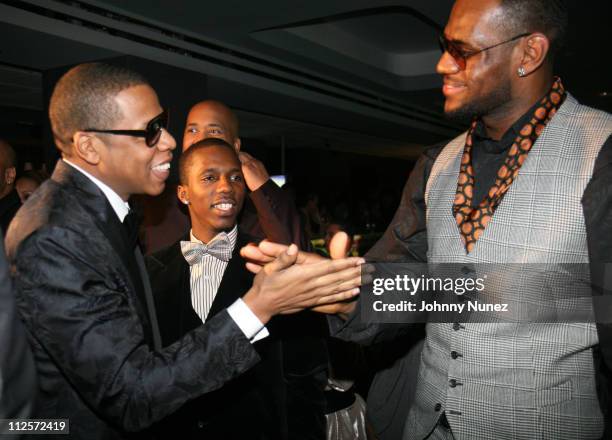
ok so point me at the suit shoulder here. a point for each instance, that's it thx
(45, 210)
(161, 258)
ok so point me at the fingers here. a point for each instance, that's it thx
(283, 261)
(254, 254)
(271, 249)
(254, 268)
(244, 157)
(339, 245)
(343, 308)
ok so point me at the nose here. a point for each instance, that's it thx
(446, 64)
(166, 141)
(224, 185)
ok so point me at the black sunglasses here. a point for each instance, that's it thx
(151, 134)
(460, 56)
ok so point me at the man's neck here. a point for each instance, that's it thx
(502, 118)
(204, 234)
(94, 172)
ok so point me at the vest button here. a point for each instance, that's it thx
(454, 354)
(452, 383)
(456, 326)
(200, 424)
(438, 407)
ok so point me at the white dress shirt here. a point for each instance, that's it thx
(205, 279)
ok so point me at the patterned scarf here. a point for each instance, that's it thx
(473, 221)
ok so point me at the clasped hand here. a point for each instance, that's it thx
(289, 280)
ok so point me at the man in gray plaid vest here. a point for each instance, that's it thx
(529, 183)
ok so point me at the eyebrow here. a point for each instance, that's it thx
(216, 170)
(459, 42)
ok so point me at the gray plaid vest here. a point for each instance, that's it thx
(505, 380)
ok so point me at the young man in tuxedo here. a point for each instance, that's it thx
(196, 278)
(269, 211)
(83, 292)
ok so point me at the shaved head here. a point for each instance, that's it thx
(8, 158)
(209, 119)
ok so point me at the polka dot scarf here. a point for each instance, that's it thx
(473, 221)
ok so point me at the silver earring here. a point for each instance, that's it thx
(186, 202)
(521, 71)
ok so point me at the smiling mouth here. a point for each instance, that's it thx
(452, 88)
(162, 167)
(224, 206)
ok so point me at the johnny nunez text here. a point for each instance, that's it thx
(434, 306)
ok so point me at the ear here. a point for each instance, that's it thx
(182, 192)
(87, 147)
(535, 51)
(237, 144)
(9, 175)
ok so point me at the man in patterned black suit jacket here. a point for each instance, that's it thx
(83, 291)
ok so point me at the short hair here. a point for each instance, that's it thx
(84, 98)
(36, 176)
(8, 158)
(549, 17)
(186, 158)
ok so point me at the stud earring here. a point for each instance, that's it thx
(186, 202)
(521, 71)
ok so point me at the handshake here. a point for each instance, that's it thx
(289, 280)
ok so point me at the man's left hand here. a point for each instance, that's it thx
(254, 171)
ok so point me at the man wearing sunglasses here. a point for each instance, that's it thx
(528, 183)
(82, 288)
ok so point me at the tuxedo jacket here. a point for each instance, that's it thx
(281, 397)
(80, 295)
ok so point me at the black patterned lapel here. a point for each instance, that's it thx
(97, 205)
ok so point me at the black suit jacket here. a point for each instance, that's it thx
(17, 372)
(280, 398)
(79, 295)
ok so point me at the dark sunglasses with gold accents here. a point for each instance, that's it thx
(460, 56)
(151, 134)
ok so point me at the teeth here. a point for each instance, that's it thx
(224, 206)
(162, 166)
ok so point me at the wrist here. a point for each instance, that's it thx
(255, 184)
(253, 301)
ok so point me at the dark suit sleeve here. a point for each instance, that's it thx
(77, 306)
(405, 240)
(597, 207)
(277, 214)
(17, 372)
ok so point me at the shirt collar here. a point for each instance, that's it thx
(232, 235)
(509, 136)
(120, 207)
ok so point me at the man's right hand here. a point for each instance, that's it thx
(282, 287)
